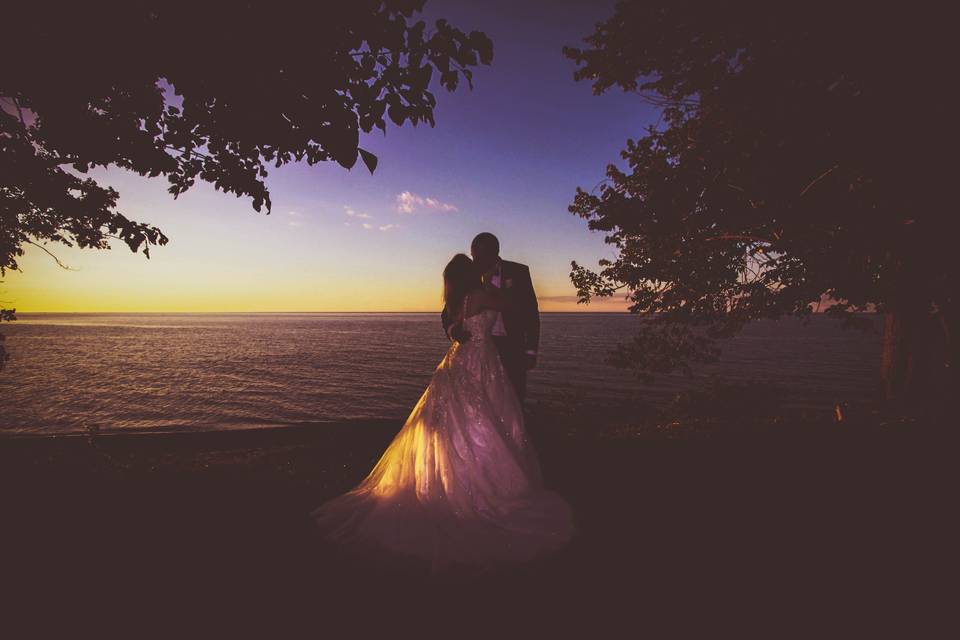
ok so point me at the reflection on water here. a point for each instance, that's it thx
(237, 370)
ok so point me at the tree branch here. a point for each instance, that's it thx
(818, 179)
(745, 238)
(199, 153)
(60, 264)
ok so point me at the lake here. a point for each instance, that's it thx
(204, 371)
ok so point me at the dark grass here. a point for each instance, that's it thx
(782, 527)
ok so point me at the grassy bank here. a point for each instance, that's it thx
(756, 518)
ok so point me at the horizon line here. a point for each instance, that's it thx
(224, 312)
(607, 311)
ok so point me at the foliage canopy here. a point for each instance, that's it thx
(798, 159)
(210, 91)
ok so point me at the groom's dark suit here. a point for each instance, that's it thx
(521, 322)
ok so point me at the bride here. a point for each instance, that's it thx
(460, 485)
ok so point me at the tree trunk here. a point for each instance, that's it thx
(917, 365)
(896, 365)
(903, 365)
(920, 342)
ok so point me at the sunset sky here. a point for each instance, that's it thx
(505, 157)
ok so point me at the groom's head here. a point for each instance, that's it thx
(485, 249)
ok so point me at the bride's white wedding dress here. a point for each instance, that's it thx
(460, 484)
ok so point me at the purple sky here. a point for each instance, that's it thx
(507, 156)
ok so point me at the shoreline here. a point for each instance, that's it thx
(550, 430)
(190, 431)
(648, 421)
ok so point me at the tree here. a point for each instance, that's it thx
(212, 91)
(798, 158)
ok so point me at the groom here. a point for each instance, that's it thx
(516, 332)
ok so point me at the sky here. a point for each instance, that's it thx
(506, 157)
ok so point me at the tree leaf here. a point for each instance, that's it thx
(368, 159)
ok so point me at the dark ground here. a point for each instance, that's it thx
(819, 529)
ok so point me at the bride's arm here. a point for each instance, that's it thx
(454, 324)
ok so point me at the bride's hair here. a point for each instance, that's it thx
(459, 278)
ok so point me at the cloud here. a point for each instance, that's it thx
(385, 227)
(408, 202)
(356, 214)
(294, 213)
(294, 223)
(367, 225)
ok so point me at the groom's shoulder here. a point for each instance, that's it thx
(515, 266)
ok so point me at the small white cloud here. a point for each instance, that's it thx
(356, 214)
(294, 213)
(294, 223)
(367, 225)
(408, 202)
(385, 227)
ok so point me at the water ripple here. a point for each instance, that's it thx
(216, 371)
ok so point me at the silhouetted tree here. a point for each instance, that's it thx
(213, 91)
(800, 156)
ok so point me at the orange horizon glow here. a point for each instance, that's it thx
(118, 281)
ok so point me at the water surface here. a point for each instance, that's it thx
(172, 371)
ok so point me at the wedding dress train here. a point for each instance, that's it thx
(460, 483)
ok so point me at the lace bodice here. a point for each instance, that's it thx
(480, 324)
